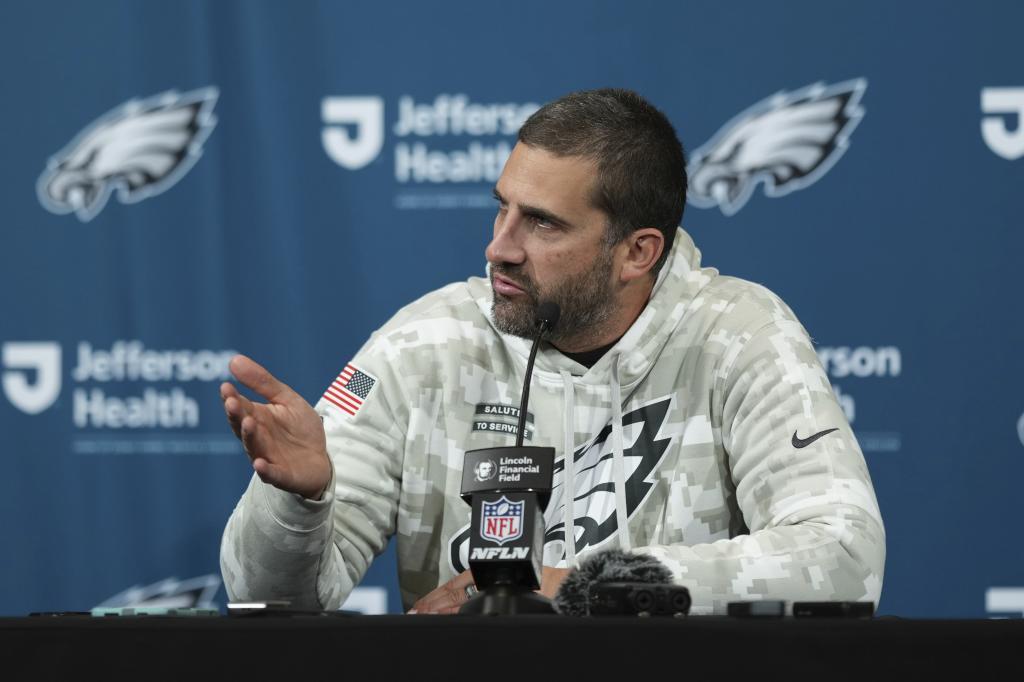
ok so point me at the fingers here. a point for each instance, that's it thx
(447, 598)
(462, 581)
(447, 611)
(254, 376)
(252, 441)
(236, 407)
(253, 438)
(269, 473)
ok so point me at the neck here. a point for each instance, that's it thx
(632, 301)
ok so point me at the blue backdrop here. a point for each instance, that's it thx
(185, 180)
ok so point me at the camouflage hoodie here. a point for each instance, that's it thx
(708, 436)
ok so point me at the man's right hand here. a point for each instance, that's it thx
(283, 437)
(447, 598)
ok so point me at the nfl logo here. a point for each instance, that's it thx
(502, 520)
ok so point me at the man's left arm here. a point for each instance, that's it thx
(801, 482)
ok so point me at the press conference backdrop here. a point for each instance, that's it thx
(181, 181)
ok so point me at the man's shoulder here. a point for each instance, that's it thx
(439, 302)
(742, 304)
(441, 313)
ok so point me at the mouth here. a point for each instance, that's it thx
(506, 287)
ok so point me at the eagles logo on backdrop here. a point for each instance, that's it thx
(787, 141)
(141, 148)
(196, 592)
(595, 523)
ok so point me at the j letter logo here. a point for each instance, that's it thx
(23, 361)
(366, 115)
(1008, 106)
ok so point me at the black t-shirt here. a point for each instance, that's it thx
(589, 358)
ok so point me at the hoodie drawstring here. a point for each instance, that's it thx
(619, 461)
(569, 470)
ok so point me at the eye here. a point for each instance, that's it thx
(542, 223)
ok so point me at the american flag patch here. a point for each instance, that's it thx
(350, 389)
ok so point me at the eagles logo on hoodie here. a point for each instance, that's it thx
(593, 489)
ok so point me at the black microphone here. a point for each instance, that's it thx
(508, 489)
(547, 315)
(545, 320)
(615, 582)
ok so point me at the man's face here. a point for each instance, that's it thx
(549, 245)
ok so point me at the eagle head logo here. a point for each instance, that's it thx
(787, 141)
(141, 148)
(194, 593)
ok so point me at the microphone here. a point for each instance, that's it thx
(615, 582)
(545, 320)
(508, 489)
(547, 315)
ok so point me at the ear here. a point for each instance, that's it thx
(641, 249)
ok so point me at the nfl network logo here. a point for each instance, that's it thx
(502, 520)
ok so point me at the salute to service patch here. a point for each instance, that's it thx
(350, 389)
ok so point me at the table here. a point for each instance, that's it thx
(338, 647)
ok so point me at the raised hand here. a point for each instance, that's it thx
(283, 437)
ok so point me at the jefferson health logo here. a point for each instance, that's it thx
(31, 374)
(119, 392)
(1002, 127)
(141, 148)
(450, 150)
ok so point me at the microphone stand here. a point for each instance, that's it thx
(542, 328)
(508, 497)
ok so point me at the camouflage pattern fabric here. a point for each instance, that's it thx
(730, 480)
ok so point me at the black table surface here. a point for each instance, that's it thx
(331, 646)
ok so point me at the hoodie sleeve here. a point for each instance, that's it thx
(278, 545)
(801, 484)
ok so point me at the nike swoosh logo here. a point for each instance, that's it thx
(804, 442)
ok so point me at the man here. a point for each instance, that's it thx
(702, 428)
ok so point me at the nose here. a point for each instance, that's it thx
(506, 245)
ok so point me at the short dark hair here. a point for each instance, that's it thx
(641, 165)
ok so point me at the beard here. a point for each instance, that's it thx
(586, 300)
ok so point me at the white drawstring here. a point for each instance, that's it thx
(569, 470)
(618, 461)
